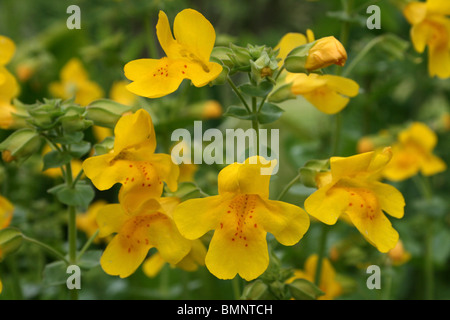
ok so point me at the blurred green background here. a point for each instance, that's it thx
(395, 89)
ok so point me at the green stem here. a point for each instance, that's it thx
(236, 284)
(238, 93)
(429, 270)
(255, 123)
(321, 254)
(47, 247)
(336, 134)
(361, 55)
(87, 244)
(288, 186)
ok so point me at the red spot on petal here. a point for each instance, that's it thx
(362, 205)
(185, 66)
(131, 166)
(350, 204)
(256, 226)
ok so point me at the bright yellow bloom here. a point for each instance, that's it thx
(431, 27)
(150, 226)
(133, 162)
(325, 52)
(75, 83)
(241, 216)
(87, 222)
(195, 258)
(413, 153)
(398, 255)
(351, 187)
(289, 42)
(9, 88)
(187, 57)
(330, 94)
(327, 282)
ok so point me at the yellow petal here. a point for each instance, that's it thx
(420, 34)
(121, 257)
(135, 131)
(344, 86)
(327, 204)
(441, 7)
(153, 265)
(228, 254)
(439, 60)
(104, 171)
(288, 42)
(310, 35)
(287, 222)
(377, 230)
(165, 37)
(415, 12)
(432, 165)
(120, 93)
(154, 78)
(195, 217)
(390, 199)
(1, 286)
(327, 100)
(9, 88)
(250, 177)
(419, 134)
(110, 219)
(195, 34)
(7, 49)
(201, 73)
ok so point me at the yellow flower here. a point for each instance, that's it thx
(325, 52)
(75, 83)
(327, 282)
(288, 42)
(133, 162)
(398, 255)
(351, 187)
(9, 88)
(413, 153)
(87, 222)
(138, 231)
(241, 215)
(196, 257)
(431, 27)
(330, 94)
(187, 57)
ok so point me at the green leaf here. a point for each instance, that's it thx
(70, 138)
(55, 159)
(10, 241)
(80, 196)
(302, 289)
(261, 90)
(269, 113)
(104, 147)
(54, 274)
(77, 150)
(238, 112)
(90, 259)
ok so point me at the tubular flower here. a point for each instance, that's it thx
(413, 153)
(327, 282)
(75, 83)
(398, 255)
(351, 188)
(133, 162)
(241, 215)
(149, 226)
(431, 27)
(187, 57)
(9, 88)
(330, 94)
(6, 212)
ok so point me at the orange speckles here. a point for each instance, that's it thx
(129, 250)
(185, 66)
(221, 225)
(132, 179)
(255, 225)
(131, 166)
(350, 204)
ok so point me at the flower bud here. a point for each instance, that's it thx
(106, 113)
(20, 145)
(10, 241)
(325, 52)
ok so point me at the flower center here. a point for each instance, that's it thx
(362, 202)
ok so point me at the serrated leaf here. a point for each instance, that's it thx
(269, 113)
(302, 289)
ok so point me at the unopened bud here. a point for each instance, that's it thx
(325, 52)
